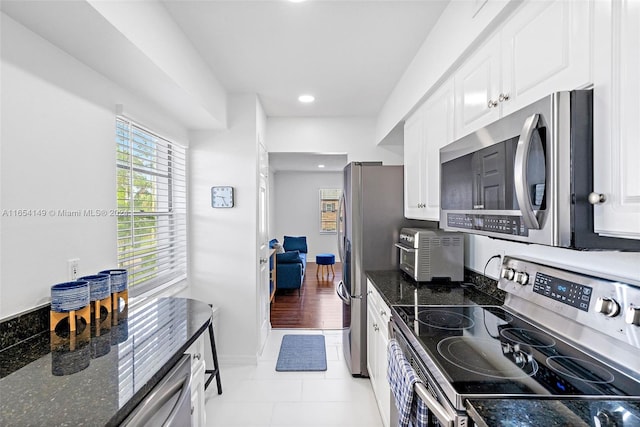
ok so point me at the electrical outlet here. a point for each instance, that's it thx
(72, 266)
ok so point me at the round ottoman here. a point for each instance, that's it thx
(324, 261)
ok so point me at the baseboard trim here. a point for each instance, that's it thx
(226, 359)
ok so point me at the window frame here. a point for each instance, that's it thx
(151, 197)
(329, 197)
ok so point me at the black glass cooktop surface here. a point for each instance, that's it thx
(483, 350)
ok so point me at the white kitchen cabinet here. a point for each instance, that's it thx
(429, 129)
(543, 47)
(378, 315)
(477, 85)
(197, 381)
(438, 132)
(414, 166)
(617, 117)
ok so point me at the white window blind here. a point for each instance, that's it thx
(152, 205)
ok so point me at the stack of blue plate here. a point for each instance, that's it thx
(118, 279)
(99, 285)
(69, 296)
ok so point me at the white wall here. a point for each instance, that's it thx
(223, 254)
(297, 208)
(352, 135)
(478, 249)
(57, 153)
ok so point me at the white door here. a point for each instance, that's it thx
(263, 267)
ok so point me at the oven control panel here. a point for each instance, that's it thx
(597, 311)
(573, 294)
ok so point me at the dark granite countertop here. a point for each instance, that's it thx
(396, 288)
(97, 378)
(552, 413)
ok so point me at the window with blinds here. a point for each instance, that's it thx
(152, 206)
(329, 200)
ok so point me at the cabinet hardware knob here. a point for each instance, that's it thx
(503, 97)
(197, 356)
(597, 198)
(492, 104)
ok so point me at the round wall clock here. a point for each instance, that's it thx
(222, 197)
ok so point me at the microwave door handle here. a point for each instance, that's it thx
(520, 173)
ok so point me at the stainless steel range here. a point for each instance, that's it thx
(559, 335)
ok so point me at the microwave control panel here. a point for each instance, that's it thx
(503, 224)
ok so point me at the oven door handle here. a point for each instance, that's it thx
(404, 248)
(520, 172)
(443, 416)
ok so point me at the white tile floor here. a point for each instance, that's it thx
(258, 396)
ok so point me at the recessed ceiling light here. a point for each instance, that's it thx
(320, 166)
(306, 99)
(296, 1)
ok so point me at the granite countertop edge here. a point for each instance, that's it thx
(28, 359)
(135, 400)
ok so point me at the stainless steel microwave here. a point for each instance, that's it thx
(527, 177)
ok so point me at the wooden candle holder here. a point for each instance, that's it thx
(56, 317)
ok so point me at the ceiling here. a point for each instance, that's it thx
(349, 54)
(307, 162)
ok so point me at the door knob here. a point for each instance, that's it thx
(597, 198)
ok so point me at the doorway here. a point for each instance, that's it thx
(295, 210)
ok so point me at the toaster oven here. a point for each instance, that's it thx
(431, 254)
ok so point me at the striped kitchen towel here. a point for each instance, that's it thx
(402, 378)
(421, 413)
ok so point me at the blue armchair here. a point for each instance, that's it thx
(292, 264)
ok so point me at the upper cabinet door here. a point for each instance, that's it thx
(425, 132)
(477, 85)
(617, 117)
(414, 166)
(545, 48)
(438, 132)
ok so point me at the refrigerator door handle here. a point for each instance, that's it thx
(341, 249)
(343, 293)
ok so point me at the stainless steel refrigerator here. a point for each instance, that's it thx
(370, 217)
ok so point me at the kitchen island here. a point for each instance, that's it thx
(100, 377)
(396, 288)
